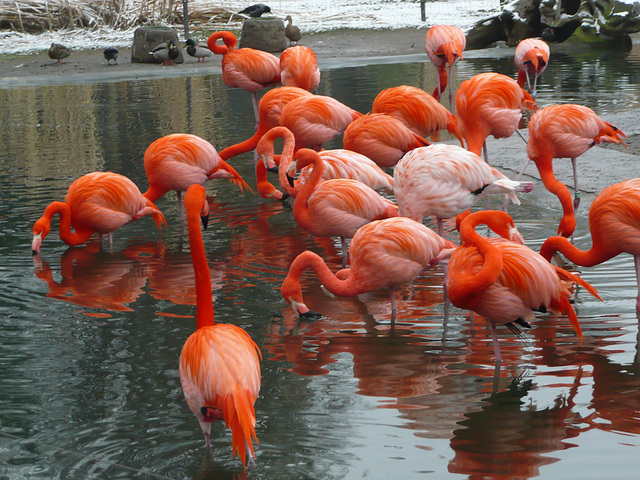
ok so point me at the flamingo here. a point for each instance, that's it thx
(316, 119)
(444, 45)
(445, 180)
(338, 163)
(614, 222)
(299, 67)
(219, 363)
(269, 110)
(337, 207)
(247, 68)
(490, 104)
(565, 131)
(179, 160)
(382, 138)
(96, 202)
(505, 281)
(384, 254)
(418, 110)
(532, 57)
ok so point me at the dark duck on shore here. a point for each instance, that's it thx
(197, 50)
(111, 53)
(58, 52)
(167, 52)
(291, 31)
(256, 10)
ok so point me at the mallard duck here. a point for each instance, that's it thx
(58, 52)
(167, 52)
(256, 10)
(197, 50)
(291, 31)
(111, 53)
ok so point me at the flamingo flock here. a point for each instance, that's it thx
(391, 154)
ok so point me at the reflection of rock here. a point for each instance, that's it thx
(589, 19)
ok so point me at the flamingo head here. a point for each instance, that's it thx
(40, 230)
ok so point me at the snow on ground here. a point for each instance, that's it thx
(309, 15)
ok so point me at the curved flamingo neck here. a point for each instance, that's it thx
(154, 193)
(304, 157)
(584, 258)
(227, 37)
(559, 189)
(204, 300)
(80, 236)
(343, 286)
(245, 146)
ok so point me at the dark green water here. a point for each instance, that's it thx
(90, 339)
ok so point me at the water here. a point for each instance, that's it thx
(90, 339)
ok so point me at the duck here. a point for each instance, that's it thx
(256, 10)
(197, 50)
(111, 53)
(58, 52)
(291, 31)
(167, 52)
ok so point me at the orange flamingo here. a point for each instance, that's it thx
(177, 161)
(382, 138)
(532, 57)
(505, 281)
(338, 163)
(98, 202)
(247, 68)
(384, 254)
(444, 45)
(445, 180)
(299, 67)
(614, 222)
(565, 131)
(316, 119)
(337, 207)
(490, 104)
(269, 109)
(219, 363)
(418, 110)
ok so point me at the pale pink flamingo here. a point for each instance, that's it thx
(444, 45)
(531, 58)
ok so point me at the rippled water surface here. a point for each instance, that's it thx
(90, 338)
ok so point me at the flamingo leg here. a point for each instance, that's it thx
(528, 80)
(637, 263)
(180, 208)
(452, 106)
(576, 197)
(535, 86)
(440, 227)
(392, 297)
(345, 251)
(496, 345)
(254, 101)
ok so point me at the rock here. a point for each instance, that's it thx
(263, 33)
(146, 39)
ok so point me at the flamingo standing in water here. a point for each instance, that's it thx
(418, 110)
(247, 68)
(532, 57)
(445, 180)
(177, 161)
(98, 202)
(565, 131)
(490, 104)
(382, 138)
(299, 67)
(444, 45)
(384, 254)
(504, 281)
(337, 207)
(614, 223)
(339, 163)
(219, 363)
(269, 110)
(316, 119)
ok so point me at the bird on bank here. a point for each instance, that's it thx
(505, 281)
(219, 363)
(444, 45)
(58, 52)
(291, 31)
(246, 68)
(98, 202)
(197, 50)
(256, 10)
(167, 52)
(111, 53)
(384, 254)
(531, 58)
(566, 131)
(614, 224)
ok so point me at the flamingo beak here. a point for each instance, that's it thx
(35, 245)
